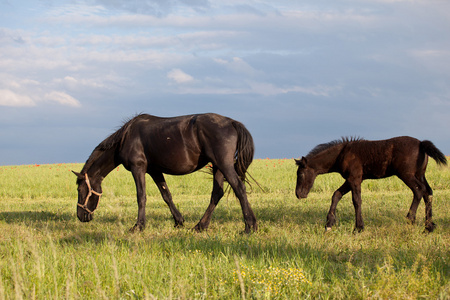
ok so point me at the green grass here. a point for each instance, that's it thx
(46, 253)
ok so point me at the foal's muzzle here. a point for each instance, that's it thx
(301, 194)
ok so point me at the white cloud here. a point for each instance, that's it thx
(10, 98)
(62, 98)
(239, 66)
(268, 89)
(265, 89)
(179, 76)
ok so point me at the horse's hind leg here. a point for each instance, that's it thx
(158, 178)
(216, 195)
(428, 198)
(239, 189)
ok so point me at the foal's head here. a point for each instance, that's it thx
(305, 178)
(89, 194)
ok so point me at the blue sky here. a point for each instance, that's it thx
(296, 73)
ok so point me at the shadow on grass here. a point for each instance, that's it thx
(334, 262)
(296, 214)
(33, 216)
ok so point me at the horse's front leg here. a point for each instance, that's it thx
(337, 195)
(167, 197)
(139, 179)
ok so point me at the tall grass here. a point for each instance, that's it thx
(45, 252)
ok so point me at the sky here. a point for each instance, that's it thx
(296, 73)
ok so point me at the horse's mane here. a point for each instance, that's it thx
(322, 147)
(114, 140)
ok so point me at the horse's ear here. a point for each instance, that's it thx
(78, 174)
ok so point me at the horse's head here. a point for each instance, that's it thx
(305, 178)
(89, 194)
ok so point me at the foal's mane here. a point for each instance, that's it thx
(114, 140)
(322, 147)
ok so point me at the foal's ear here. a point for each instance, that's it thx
(301, 162)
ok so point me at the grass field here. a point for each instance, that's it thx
(46, 253)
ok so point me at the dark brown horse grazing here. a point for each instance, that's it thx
(177, 146)
(358, 159)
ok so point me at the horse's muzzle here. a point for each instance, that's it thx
(83, 215)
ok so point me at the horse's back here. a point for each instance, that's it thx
(168, 145)
(179, 145)
(218, 136)
(181, 122)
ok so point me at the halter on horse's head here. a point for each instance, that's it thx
(85, 214)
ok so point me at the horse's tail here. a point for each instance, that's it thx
(430, 149)
(245, 150)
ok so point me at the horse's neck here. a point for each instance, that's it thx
(325, 161)
(103, 163)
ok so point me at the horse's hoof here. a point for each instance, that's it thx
(198, 228)
(179, 222)
(137, 227)
(327, 229)
(179, 225)
(251, 228)
(411, 219)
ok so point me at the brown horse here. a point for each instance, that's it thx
(177, 146)
(358, 159)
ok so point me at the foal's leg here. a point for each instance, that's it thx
(216, 195)
(239, 189)
(357, 201)
(418, 189)
(353, 183)
(158, 178)
(428, 198)
(331, 217)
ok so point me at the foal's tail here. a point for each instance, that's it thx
(245, 150)
(430, 149)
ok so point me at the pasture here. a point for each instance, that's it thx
(46, 253)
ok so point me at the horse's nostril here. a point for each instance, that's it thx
(88, 217)
(85, 217)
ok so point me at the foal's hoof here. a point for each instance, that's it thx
(327, 229)
(358, 230)
(429, 227)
